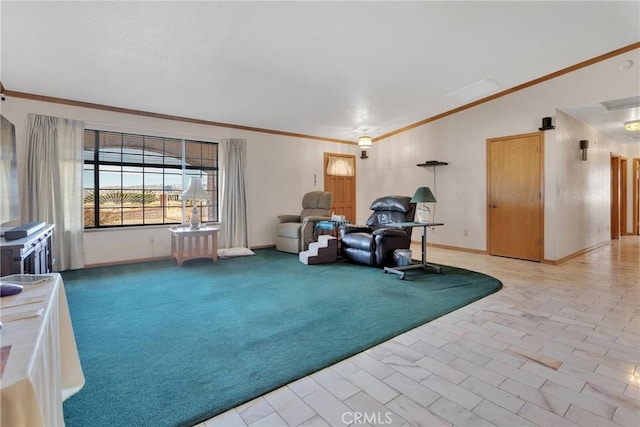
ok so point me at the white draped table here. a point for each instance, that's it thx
(41, 366)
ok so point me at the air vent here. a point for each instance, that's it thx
(622, 104)
(474, 91)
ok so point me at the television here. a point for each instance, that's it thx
(9, 192)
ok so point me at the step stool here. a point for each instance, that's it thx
(323, 251)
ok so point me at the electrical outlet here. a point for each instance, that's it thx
(466, 233)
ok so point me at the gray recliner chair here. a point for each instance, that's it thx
(295, 232)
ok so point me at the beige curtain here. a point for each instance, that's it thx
(233, 213)
(340, 166)
(53, 184)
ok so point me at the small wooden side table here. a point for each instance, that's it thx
(190, 243)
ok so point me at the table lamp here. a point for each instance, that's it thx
(421, 196)
(195, 193)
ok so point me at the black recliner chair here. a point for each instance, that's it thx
(375, 243)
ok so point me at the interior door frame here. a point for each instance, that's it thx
(624, 205)
(615, 199)
(355, 175)
(635, 212)
(541, 187)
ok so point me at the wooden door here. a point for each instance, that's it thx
(623, 197)
(615, 197)
(515, 206)
(342, 188)
(636, 196)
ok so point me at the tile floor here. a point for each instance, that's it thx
(559, 345)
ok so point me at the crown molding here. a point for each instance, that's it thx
(530, 83)
(525, 85)
(102, 107)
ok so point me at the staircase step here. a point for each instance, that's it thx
(325, 250)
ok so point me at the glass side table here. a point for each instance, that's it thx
(333, 228)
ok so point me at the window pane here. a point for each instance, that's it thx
(110, 199)
(193, 153)
(153, 215)
(110, 155)
(89, 216)
(209, 152)
(89, 144)
(154, 178)
(173, 180)
(110, 141)
(110, 178)
(132, 156)
(135, 142)
(206, 213)
(132, 180)
(173, 152)
(110, 216)
(132, 215)
(87, 177)
(153, 150)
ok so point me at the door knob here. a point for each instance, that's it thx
(492, 206)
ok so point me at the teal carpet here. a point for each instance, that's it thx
(163, 345)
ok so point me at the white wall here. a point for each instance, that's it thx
(583, 198)
(280, 169)
(460, 139)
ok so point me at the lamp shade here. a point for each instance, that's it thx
(195, 192)
(365, 141)
(423, 195)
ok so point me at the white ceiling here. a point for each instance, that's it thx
(314, 68)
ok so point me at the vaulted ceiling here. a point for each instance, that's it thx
(313, 68)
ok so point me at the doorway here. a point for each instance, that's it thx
(635, 212)
(515, 211)
(341, 184)
(618, 196)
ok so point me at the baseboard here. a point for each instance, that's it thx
(544, 261)
(128, 261)
(135, 261)
(262, 246)
(575, 254)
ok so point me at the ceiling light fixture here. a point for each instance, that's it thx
(364, 142)
(632, 126)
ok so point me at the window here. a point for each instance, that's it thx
(136, 180)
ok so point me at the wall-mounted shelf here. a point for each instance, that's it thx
(432, 163)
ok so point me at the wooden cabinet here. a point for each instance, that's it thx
(29, 255)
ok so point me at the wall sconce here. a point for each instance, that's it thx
(584, 144)
(365, 142)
